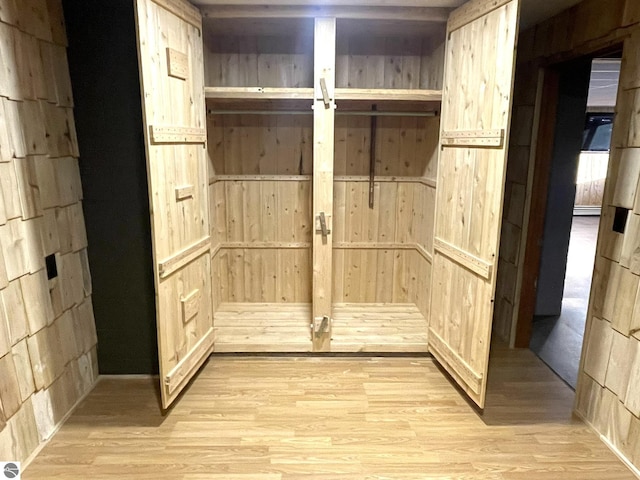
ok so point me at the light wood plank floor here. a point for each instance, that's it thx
(285, 418)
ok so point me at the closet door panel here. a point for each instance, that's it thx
(172, 81)
(476, 108)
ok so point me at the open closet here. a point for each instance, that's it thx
(325, 178)
(260, 130)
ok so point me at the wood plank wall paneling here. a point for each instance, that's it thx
(377, 259)
(408, 61)
(264, 213)
(608, 386)
(368, 240)
(260, 144)
(263, 154)
(405, 146)
(275, 60)
(47, 332)
(262, 275)
(265, 206)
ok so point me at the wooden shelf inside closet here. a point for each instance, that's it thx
(389, 94)
(379, 95)
(258, 93)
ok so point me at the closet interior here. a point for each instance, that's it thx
(259, 88)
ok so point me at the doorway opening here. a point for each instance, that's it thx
(567, 233)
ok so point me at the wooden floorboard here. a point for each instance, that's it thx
(286, 418)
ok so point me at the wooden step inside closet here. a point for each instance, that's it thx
(297, 202)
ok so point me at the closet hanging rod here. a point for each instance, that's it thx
(363, 113)
(370, 113)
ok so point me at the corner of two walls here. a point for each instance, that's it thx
(608, 394)
(47, 331)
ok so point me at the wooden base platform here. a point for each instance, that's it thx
(285, 327)
(378, 327)
(262, 327)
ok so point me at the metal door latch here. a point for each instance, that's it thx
(321, 224)
(325, 92)
(321, 324)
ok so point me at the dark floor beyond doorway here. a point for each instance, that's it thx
(557, 340)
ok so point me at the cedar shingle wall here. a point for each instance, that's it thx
(47, 332)
(608, 394)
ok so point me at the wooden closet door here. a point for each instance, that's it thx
(476, 107)
(172, 77)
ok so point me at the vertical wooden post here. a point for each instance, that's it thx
(323, 152)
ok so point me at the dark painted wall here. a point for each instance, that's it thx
(104, 73)
(572, 105)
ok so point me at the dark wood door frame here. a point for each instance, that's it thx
(542, 167)
(543, 159)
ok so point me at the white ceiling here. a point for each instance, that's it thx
(533, 11)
